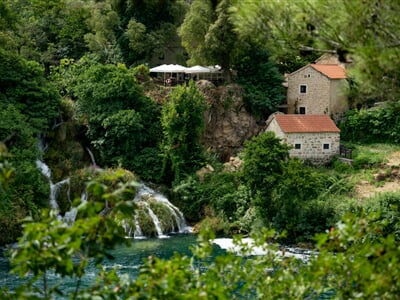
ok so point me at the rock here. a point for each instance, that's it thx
(203, 171)
(233, 164)
(228, 124)
(379, 177)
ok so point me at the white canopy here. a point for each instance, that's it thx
(197, 69)
(168, 69)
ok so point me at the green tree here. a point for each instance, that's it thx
(29, 104)
(262, 82)
(298, 186)
(27, 190)
(208, 34)
(183, 125)
(121, 122)
(23, 85)
(265, 158)
(102, 38)
(47, 31)
(194, 29)
(8, 21)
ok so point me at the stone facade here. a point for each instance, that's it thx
(311, 92)
(319, 148)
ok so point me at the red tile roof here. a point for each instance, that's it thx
(306, 123)
(331, 71)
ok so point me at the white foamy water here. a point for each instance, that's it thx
(249, 249)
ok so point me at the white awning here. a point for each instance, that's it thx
(197, 69)
(168, 69)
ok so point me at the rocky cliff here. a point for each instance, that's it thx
(228, 124)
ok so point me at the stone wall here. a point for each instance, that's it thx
(323, 95)
(312, 146)
(317, 97)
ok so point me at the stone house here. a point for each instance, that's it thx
(314, 138)
(317, 89)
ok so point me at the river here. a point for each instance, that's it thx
(128, 259)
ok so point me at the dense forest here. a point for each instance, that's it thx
(74, 81)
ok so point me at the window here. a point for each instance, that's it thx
(303, 89)
(302, 110)
(325, 146)
(297, 146)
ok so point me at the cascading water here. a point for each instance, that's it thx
(156, 221)
(94, 164)
(144, 198)
(54, 187)
(154, 216)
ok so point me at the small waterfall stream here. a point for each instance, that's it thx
(156, 221)
(160, 212)
(94, 164)
(144, 198)
(54, 187)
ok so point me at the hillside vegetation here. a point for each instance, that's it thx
(74, 81)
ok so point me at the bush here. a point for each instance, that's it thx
(387, 206)
(374, 125)
(367, 159)
(261, 81)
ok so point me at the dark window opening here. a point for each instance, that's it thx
(303, 89)
(297, 146)
(326, 146)
(302, 110)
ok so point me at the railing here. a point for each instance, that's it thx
(345, 152)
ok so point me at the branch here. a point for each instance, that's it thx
(10, 136)
(307, 48)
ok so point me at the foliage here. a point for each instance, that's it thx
(264, 162)
(51, 245)
(187, 195)
(29, 105)
(27, 190)
(387, 208)
(348, 264)
(46, 31)
(194, 29)
(298, 186)
(147, 28)
(121, 121)
(208, 34)
(374, 125)
(24, 86)
(261, 81)
(102, 38)
(356, 260)
(183, 125)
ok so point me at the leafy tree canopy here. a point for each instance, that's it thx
(208, 34)
(22, 84)
(183, 125)
(262, 82)
(121, 121)
(366, 32)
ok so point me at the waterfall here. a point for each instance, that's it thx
(69, 216)
(146, 195)
(91, 157)
(54, 187)
(156, 221)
